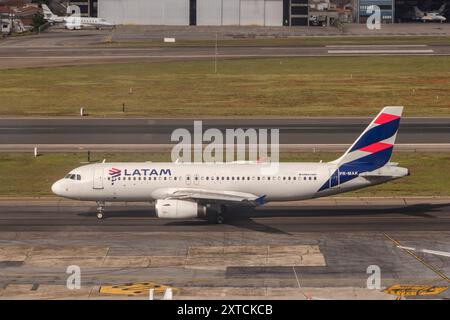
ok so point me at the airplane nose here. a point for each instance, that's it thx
(56, 188)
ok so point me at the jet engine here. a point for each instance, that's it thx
(179, 209)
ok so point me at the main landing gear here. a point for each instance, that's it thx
(220, 214)
(100, 209)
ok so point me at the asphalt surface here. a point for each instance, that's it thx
(340, 239)
(277, 219)
(11, 57)
(61, 47)
(158, 131)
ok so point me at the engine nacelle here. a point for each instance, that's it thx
(179, 209)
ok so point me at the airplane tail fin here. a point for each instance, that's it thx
(47, 12)
(418, 12)
(442, 8)
(373, 148)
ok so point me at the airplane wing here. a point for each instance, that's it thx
(212, 196)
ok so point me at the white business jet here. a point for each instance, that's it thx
(73, 22)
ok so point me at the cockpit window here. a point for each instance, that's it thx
(72, 176)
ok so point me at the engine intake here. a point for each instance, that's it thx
(179, 209)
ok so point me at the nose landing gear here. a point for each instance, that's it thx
(100, 209)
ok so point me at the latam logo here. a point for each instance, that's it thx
(115, 173)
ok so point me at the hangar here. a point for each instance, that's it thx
(250, 12)
(193, 12)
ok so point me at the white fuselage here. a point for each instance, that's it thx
(432, 16)
(148, 181)
(76, 23)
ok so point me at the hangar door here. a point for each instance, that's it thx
(239, 12)
(209, 12)
(273, 13)
(252, 13)
(231, 12)
(145, 12)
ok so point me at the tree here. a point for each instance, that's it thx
(38, 21)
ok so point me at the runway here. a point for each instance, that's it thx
(15, 133)
(310, 216)
(58, 47)
(289, 250)
(11, 57)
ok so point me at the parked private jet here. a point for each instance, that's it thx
(431, 16)
(75, 23)
(207, 190)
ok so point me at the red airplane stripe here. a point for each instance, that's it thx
(375, 147)
(385, 117)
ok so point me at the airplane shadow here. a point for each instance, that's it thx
(243, 217)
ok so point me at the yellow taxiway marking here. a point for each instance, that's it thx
(414, 290)
(136, 289)
(426, 264)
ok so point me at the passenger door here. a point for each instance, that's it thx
(98, 178)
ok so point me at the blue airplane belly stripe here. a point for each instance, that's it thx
(376, 134)
(365, 164)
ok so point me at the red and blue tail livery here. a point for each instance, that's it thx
(371, 151)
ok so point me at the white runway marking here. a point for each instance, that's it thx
(400, 51)
(377, 46)
(435, 252)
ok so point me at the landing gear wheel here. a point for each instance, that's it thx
(220, 219)
(100, 210)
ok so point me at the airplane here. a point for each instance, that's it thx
(431, 16)
(73, 22)
(207, 190)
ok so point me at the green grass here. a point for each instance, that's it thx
(293, 41)
(23, 175)
(288, 87)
